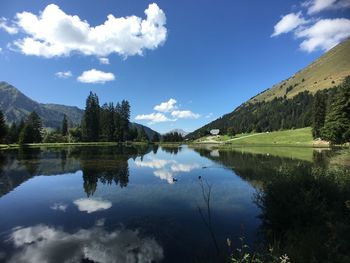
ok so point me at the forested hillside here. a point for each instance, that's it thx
(289, 104)
(282, 113)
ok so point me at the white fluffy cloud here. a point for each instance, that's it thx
(167, 112)
(153, 117)
(95, 76)
(166, 106)
(104, 61)
(288, 23)
(43, 243)
(63, 74)
(316, 6)
(54, 33)
(92, 205)
(316, 33)
(324, 34)
(184, 114)
(9, 29)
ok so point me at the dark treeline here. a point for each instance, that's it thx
(327, 110)
(26, 131)
(105, 165)
(172, 137)
(331, 119)
(106, 123)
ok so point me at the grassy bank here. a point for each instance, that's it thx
(295, 137)
(57, 145)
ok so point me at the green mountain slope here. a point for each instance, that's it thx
(289, 104)
(327, 71)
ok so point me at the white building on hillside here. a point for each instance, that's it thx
(214, 132)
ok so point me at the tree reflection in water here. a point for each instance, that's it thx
(305, 205)
(107, 165)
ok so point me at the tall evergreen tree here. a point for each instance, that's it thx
(319, 114)
(104, 122)
(111, 122)
(3, 127)
(31, 132)
(125, 118)
(12, 135)
(64, 125)
(91, 120)
(133, 133)
(118, 133)
(337, 122)
(107, 122)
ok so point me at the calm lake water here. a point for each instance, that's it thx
(132, 204)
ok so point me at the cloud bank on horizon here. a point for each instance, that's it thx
(315, 32)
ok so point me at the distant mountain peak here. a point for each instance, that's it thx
(17, 106)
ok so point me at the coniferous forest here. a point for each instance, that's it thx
(327, 111)
(106, 123)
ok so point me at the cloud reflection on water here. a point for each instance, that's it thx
(90, 205)
(59, 207)
(166, 169)
(44, 244)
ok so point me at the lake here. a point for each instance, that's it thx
(149, 203)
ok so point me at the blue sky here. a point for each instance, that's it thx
(181, 64)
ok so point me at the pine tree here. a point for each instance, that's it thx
(319, 114)
(337, 122)
(3, 127)
(118, 133)
(31, 132)
(64, 125)
(110, 122)
(133, 133)
(91, 120)
(125, 118)
(12, 135)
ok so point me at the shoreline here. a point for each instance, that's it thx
(65, 144)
